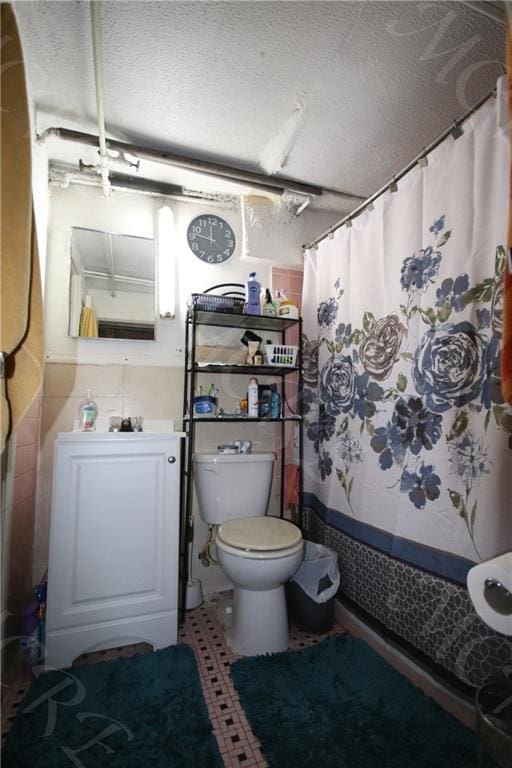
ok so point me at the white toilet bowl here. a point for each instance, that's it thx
(259, 554)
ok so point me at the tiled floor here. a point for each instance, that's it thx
(203, 631)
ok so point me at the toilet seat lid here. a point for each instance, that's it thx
(259, 533)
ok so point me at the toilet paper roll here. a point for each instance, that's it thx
(490, 589)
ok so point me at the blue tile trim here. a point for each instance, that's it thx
(435, 561)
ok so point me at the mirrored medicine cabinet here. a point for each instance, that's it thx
(112, 286)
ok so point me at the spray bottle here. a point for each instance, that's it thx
(252, 398)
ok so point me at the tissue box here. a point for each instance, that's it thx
(225, 355)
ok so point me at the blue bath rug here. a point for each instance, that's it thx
(148, 710)
(340, 705)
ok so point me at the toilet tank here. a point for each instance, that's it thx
(232, 485)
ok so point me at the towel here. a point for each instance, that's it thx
(506, 355)
(291, 485)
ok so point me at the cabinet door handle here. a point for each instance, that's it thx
(171, 459)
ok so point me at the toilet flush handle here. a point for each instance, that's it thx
(215, 470)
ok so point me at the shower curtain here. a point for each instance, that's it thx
(408, 460)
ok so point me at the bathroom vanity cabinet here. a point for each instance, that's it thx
(114, 539)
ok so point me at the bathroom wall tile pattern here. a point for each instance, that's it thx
(202, 630)
(434, 615)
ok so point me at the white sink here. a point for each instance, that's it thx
(150, 427)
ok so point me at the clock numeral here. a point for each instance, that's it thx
(219, 257)
(197, 230)
(226, 252)
(210, 259)
(191, 236)
(202, 254)
(230, 243)
(194, 247)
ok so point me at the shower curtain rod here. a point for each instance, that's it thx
(442, 136)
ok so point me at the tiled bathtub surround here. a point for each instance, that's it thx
(238, 745)
(435, 615)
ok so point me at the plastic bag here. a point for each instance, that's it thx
(319, 562)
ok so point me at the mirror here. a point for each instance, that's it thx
(112, 286)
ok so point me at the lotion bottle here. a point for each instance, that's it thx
(252, 295)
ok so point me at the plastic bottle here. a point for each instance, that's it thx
(252, 398)
(88, 412)
(269, 308)
(265, 404)
(252, 295)
(275, 403)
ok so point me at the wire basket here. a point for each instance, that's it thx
(281, 354)
(209, 302)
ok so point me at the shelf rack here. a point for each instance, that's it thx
(198, 317)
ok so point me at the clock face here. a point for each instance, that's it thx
(211, 239)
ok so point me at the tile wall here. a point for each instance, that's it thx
(23, 514)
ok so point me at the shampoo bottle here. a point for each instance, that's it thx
(275, 403)
(88, 412)
(252, 295)
(252, 398)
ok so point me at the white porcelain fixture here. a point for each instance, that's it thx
(257, 553)
(113, 567)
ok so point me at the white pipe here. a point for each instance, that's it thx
(98, 79)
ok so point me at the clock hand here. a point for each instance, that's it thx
(204, 237)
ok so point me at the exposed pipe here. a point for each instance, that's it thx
(98, 79)
(453, 129)
(273, 184)
(62, 175)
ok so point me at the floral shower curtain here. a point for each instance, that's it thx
(408, 440)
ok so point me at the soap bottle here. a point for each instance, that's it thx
(275, 403)
(252, 398)
(252, 295)
(269, 308)
(88, 412)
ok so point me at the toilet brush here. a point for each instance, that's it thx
(194, 589)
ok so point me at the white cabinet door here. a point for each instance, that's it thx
(113, 570)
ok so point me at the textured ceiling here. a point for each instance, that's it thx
(339, 94)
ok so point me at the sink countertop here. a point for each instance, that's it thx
(151, 428)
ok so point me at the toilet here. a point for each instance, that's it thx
(258, 554)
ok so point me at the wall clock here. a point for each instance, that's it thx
(211, 239)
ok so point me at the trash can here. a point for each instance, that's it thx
(311, 590)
